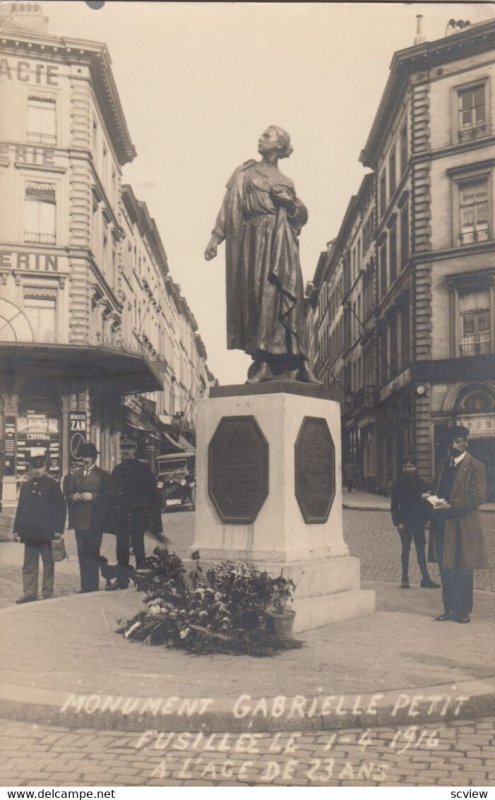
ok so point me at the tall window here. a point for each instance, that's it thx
(404, 236)
(40, 213)
(405, 341)
(393, 252)
(383, 269)
(474, 212)
(41, 119)
(404, 149)
(41, 312)
(383, 193)
(472, 111)
(393, 346)
(392, 177)
(475, 323)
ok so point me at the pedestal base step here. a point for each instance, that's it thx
(315, 612)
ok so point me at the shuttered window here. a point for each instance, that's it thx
(40, 213)
(41, 119)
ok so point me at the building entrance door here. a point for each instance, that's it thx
(484, 451)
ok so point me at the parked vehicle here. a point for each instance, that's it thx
(176, 480)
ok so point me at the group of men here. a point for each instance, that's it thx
(125, 502)
(456, 535)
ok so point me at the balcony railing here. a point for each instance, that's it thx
(41, 138)
(39, 238)
(481, 348)
(474, 236)
(365, 397)
(473, 132)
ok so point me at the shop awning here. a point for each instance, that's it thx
(130, 372)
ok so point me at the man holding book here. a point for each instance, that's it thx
(456, 526)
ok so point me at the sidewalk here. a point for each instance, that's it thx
(364, 501)
(63, 664)
(367, 501)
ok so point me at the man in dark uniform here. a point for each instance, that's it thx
(456, 526)
(39, 519)
(85, 491)
(133, 508)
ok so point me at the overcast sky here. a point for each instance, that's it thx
(200, 81)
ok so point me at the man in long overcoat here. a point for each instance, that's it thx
(39, 519)
(133, 507)
(456, 526)
(86, 494)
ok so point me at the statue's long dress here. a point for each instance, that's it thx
(264, 281)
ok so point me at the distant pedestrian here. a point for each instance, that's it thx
(40, 518)
(456, 526)
(410, 513)
(133, 508)
(86, 491)
(349, 475)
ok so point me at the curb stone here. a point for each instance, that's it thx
(393, 708)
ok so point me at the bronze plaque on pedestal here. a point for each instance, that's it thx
(314, 454)
(238, 469)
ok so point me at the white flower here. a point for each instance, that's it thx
(132, 629)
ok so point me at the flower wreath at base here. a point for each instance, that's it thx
(230, 608)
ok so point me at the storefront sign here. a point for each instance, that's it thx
(41, 262)
(77, 425)
(37, 429)
(482, 425)
(29, 72)
(134, 402)
(77, 421)
(9, 463)
(27, 154)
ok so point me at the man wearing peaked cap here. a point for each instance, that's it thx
(86, 493)
(39, 519)
(456, 526)
(134, 507)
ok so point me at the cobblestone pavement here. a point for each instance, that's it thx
(454, 754)
(369, 534)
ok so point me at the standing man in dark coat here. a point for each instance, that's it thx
(39, 519)
(409, 514)
(134, 507)
(456, 526)
(86, 494)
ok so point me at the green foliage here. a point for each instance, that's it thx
(227, 609)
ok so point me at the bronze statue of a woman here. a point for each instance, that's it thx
(260, 220)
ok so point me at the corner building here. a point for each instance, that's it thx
(75, 336)
(422, 293)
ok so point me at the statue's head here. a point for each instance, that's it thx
(275, 138)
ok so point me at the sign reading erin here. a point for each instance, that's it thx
(314, 469)
(238, 470)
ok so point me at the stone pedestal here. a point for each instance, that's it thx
(269, 491)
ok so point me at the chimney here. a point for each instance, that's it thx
(419, 38)
(456, 25)
(26, 18)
